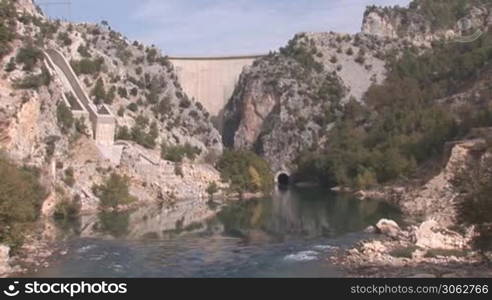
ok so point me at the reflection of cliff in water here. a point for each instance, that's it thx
(155, 221)
(304, 212)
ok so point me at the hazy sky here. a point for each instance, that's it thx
(217, 27)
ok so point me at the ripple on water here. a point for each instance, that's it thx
(325, 247)
(302, 256)
(85, 249)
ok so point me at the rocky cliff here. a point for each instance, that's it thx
(288, 102)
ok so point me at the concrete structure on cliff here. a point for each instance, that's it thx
(211, 80)
(102, 121)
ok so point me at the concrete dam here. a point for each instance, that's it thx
(211, 80)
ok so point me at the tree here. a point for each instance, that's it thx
(110, 95)
(246, 171)
(10, 65)
(21, 196)
(29, 56)
(114, 192)
(99, 92)
(474, 203)
(212, 189)
(64, 117)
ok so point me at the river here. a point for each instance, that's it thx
(290, 234)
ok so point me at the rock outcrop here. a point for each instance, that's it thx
(425, 22)
(287, 102)
(388, 227)
(4, 260)
(436, 199)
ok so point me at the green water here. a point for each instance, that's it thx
(291, 234)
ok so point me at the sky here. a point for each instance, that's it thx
(218, 27)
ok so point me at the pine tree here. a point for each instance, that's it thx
(99, 92)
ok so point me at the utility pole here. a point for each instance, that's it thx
(66, 3)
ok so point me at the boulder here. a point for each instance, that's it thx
(388, 227)
(370, 229)
(432, 235)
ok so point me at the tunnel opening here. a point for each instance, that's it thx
(283, 179)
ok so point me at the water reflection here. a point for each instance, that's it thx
(306, 213)
(293, 213)
(291, 233)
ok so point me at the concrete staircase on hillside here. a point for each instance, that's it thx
(102, 120)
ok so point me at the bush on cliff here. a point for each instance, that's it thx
(179, 152)
(246, 171)
(474, 204)
(7, 27)
(114, 192)
(21, 196)
(64, 117)
(29, 57)
(34, 81)
(87, 66)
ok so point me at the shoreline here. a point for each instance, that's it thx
(41, 248)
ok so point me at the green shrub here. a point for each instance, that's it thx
(29, 57)
(474, 204)
(21, 196)
(122, 92)
(212, 189)
(64, 117)
(69, 178)
(34, 81)
(246, 171)
(64, 38)
(10, 65)
(99, 92)
(87, 66)
(403, 252)
(121, 111)
(7, 26)
(84, 51)
(178, 153)
(445, 252)
(301, 54)
(184, 103)
(133, 107)
(67, 209)
(114, 192)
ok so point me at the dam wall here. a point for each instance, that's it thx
(211, 80)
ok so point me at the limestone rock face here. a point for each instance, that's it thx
(432, 235)
(4, 260)
(378, 24)
(416, 27)
(284, 104)
(388, 227)
(436, 198)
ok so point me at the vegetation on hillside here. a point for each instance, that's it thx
(475, 201)
(402, 124)
(114, 192)
(179, 152)
(7, 26)
(246, 171)
(21, 196)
